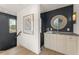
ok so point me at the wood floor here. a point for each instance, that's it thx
(24, 51)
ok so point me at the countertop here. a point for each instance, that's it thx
(62, 33)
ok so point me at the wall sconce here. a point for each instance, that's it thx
(74, 17)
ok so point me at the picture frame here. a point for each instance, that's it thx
(28, 24)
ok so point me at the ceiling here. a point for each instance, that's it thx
(48, 7)
(14, 8)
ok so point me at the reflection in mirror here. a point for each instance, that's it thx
(58, 22)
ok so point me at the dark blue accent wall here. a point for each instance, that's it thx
(66, 11)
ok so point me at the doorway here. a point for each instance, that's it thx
(7, 31)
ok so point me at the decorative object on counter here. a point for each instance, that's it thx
(28, 24)
(74, 17)
(51, 29)
(68, 29)
(58, 22)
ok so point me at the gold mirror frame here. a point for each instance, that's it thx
(60, 25)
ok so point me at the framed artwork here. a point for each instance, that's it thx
(28, 24)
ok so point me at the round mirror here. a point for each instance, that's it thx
(58, 22)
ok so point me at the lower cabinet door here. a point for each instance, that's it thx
(50, 41)
(71, 45)
(61, 43)
(53, 42)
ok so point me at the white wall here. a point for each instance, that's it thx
(31, 42)
(76, 26)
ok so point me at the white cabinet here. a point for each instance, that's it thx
(71, 45)
(60, 43)
(55, 42)
(50, 41)
(66, 44)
